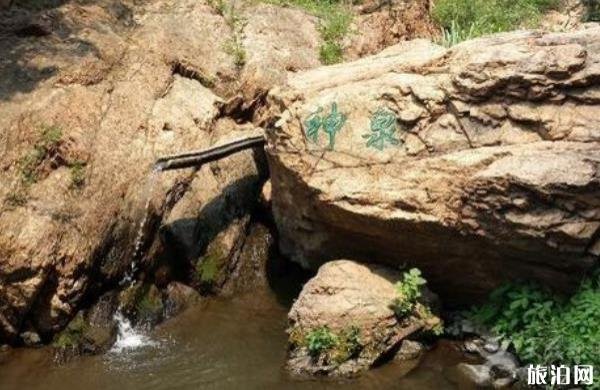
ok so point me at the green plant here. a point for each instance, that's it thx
(465, 19)
(592, 10)
(319, 340)
(349, 344)
(544, 328)
(77, 174)
(234, 48)
(47, 144)
(408, 291)
(334, 24)
(333, 27)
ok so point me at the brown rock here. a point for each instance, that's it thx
(132, 83)
(352, 303)
(491, 174)
(380, 24)
(179, 297)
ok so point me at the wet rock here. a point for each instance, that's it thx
(410, 350)
(144, 80)
(343, 322)
(477, 374)
(213, 269)
(424, 146)
(499, 368)
(250, 269)
(30, 338)
(178, 297)
(90, 332)
(142, 303)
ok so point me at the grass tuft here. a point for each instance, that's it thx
(334, 25)
(466, 19)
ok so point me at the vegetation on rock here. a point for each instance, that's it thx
(334, 25)
(409, 290)
(593, 10)
(209, 266)
(143, 302)
(466, 19)
(73, 334)
(407, 302)
(544, 328)
(333, 347)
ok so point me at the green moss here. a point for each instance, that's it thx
(72, 335)
(208, 268)
(48, 141)
(142, 301)
(150, 304)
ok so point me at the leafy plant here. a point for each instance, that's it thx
(408, 291)
(544, 328)
(319, 340)
(465, 19)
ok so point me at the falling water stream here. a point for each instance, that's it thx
(128, 337)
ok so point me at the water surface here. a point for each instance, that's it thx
(236, 343)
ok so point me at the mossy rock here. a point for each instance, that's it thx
(210, 269)
(81, 337)
(142, 303)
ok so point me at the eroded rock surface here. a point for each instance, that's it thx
(90, 95)
(479, 164)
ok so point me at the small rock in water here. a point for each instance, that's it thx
(477, 374)
(30, 338)
(179, 297)
(410, 350)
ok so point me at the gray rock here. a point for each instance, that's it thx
(410, 350)
(30, 338)
(477, 374)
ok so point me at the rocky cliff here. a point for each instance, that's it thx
(479, 164)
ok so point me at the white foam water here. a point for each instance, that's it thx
(129, 338)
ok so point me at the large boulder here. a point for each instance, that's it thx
(478, 164)
(344, 320)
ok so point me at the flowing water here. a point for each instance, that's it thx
(237, 343)
(139, 238)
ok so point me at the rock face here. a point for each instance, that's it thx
(479, 164)
(90, 95)
(343, 321)
(380, 24)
